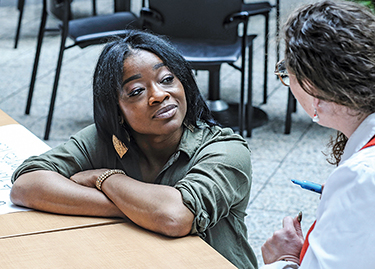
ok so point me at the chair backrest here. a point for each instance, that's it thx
(195, 19)
(59, 9)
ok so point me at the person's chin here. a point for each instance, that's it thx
(172, 125)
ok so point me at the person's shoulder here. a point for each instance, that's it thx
(88, 131)
(220, 134)
(226, 147)
(221, 140)
(363, 160)
(88, 134)
(88, 138)
(356, 173)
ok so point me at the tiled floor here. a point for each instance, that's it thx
(276, 157)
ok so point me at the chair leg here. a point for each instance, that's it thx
(291, 106)
(277, 30)
(20, 5)
(37, 55)
(55, 85)
(250, 108)
(241, 106)
(214, 83)
(265, 76)
(213, 101)
(123, 5)
(94, 7)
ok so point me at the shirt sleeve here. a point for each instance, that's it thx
(281, 265)
(217, 184)
(68, 158)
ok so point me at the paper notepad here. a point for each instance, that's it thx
(16, 144)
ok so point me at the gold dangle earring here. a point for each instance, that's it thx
(119, 146)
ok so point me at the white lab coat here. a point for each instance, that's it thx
(344, 234)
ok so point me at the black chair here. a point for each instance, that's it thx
(20, 7)
(291, 107)
(206, 33)
(83, 32)
(264, 9)
(277, 30)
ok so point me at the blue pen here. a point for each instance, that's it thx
(308, 185)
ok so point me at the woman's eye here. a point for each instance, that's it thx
(135, 92)
(167, 80)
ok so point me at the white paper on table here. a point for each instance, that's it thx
(16, 144)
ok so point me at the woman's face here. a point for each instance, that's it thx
(305, 99)
(153, 100)
(328, 112)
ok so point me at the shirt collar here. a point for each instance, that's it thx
(191, 140)
(360, 137)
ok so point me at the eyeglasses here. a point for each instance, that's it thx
(282, 73)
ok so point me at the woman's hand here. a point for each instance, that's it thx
(285, 244)
(87, 178)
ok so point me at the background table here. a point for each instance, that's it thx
(6, 119)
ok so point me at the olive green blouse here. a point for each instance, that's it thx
(211, 168)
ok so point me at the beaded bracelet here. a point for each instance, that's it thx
(106, 175)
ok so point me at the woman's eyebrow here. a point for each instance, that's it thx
(157, 66)
(130, 79)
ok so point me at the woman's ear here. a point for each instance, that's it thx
(120, 117)
(316, 102)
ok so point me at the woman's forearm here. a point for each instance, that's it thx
(155, 207)
(52, 192)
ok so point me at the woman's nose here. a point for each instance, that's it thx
(157, 95)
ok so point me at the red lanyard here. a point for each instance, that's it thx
(369, 143)
(306, 243)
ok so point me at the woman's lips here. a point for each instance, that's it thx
(166, 112)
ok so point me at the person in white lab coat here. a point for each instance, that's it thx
(330, 68)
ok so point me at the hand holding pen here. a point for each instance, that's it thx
(286, 243)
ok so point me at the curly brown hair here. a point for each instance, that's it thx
(330, 48)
